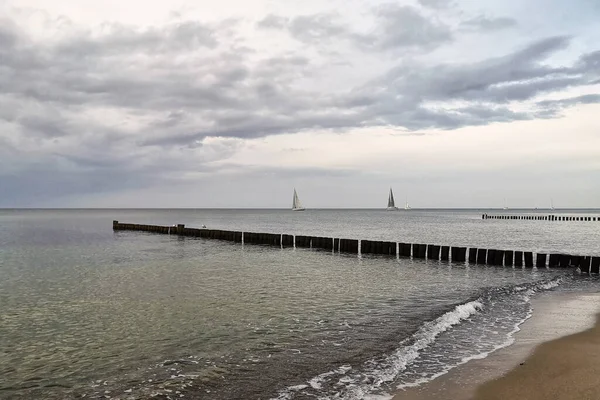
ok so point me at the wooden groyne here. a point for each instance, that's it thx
(455, 254)
(539, 217)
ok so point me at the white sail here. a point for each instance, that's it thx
(391, 203)
(406, 206)
(296, 205)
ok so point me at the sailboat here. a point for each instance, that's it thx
(296, 205)
(406, 206)
(551, 204)
(505, 207)
(391, 204)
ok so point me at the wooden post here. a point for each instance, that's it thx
(481, 256)
(391, 248)
(343, 245)
(540, 261)
(415, 250)
(419, 250)
(238, 237)
(575, 261)
(115, 225)
(458, 254)
(565, 260)
(454, 253)
(499, 257)
(491, 255)
(445, 253)
(554, 260)
(508, 258)
(595, 268)
(316, 242)
(352, 246)
(585, 264)
(365, 246)
(276, 240)
(303, 241)
(472, 255)
(180, 228)
(528, 259)
(518, 259)
(405, 249)
(433, 252)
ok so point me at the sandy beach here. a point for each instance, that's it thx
(556, 355)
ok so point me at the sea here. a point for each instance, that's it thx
(86, 312)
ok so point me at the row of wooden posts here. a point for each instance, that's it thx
(550, 217)
(508, 258)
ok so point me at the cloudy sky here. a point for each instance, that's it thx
(234, 103)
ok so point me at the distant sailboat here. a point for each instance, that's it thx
(391, 204)
(551, 204)
(406, 206)
(505, 207)
(296, 205)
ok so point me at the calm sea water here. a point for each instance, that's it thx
(88, 312)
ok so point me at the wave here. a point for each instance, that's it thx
(376, 376)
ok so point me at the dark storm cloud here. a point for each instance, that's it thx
(484, 23)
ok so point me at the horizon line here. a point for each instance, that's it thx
(313, 208)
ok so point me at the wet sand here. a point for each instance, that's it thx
(558, 347)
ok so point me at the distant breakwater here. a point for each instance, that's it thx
(455, 254)
(551, 217)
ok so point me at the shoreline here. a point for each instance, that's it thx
(556, 315)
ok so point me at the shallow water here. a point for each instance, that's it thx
(88, 311)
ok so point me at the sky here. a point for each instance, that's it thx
(236, 103)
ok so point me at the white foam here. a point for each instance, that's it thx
(509, 340)
(379, 397)
(510, 336)
(387, 370)
(317, 381)
(550, 285)
(397, 362)
(289, 392)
